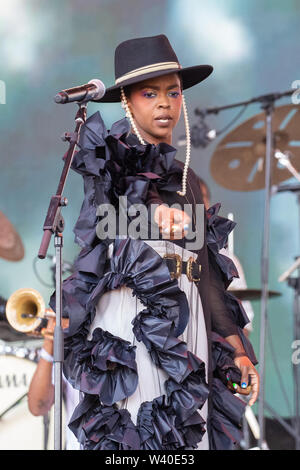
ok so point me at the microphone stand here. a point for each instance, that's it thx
(294, 282)
(267, 102)
(268, 105)
(54, 225)
(271, 97)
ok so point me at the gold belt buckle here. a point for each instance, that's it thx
(189, 270)
(175, 275)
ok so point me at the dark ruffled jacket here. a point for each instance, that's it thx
(115, 164)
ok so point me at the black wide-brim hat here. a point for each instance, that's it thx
(143, 58)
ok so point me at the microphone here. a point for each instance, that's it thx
(93, 90)
(201, 136)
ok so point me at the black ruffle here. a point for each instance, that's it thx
(99, 427)
(104, 368)
(223, 360)
(136, 265)
(157, 426)
(111, 168)
(240, 318)
(131, 169)
(218, 229)
(226, 417)
(160, 429)
(171, 422)
(227, 408)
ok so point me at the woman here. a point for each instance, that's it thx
(155, 342)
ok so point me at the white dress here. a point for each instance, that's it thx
(125, 307)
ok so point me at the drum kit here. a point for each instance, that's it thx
(238, 162)
(19, 429)
(260, 154)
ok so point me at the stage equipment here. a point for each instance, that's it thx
(251, 294)
(245, 161)
(93, 90)
(238, 163)
(19, 429)
(11, 246)
(294, 283)
(54, 225)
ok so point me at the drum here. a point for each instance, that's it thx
(19, 429)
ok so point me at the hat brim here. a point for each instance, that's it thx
(190, 76)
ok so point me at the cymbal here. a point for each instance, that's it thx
(252, 294)
(238, 162)
(7, 333)
(11, 246)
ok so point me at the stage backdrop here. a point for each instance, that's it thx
(48, 46)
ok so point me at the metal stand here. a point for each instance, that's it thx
(54, 224)
(46, 430)
(294, 282)
(267, 102)
(58, 353)
(269, 106)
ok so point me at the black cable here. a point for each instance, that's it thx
(233, 120)
(200, 133)
(37, 274)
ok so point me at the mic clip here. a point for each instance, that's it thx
(69, 137)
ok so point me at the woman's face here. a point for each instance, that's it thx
(156, 105)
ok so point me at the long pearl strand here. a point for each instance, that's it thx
(130, 117)
(125, 106)
(188, 148)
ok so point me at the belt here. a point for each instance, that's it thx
(177, 267)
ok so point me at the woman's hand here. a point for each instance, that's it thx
(247, 369)
(173, 223)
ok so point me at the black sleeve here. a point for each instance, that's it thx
(222, 321)
(153, 196)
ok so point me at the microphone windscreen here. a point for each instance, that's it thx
(100, 88)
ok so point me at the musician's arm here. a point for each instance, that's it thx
(41, 389)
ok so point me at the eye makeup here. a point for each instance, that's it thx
(153, 94)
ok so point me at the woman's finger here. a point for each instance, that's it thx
(255, 386)
(244, 378)
(181, 217)
(241, 391)
(173, 223)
